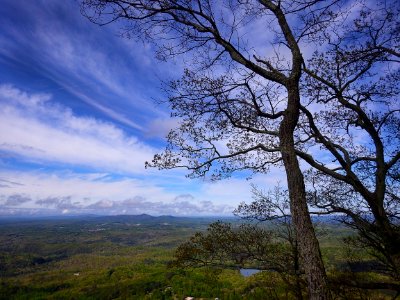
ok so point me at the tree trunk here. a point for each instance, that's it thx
(296, 258)
(305, 234)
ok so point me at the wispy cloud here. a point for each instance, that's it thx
(78, 119)
(38, 129)
(90, 62)
(106, 110)
(6, 183)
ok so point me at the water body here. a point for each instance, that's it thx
(249, 272)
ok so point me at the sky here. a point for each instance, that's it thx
(80, 113)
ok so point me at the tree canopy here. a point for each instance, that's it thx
(269, 82)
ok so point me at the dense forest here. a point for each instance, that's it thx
(309, 87)
(141, 257)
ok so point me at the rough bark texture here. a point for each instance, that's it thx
(307, 241)
(308, 244)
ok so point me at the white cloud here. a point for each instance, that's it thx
(84, 189)
(106, 110)
(88, 61)
(83, 58)
(38, 129)
(100, 194)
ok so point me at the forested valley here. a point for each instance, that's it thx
(145, 257)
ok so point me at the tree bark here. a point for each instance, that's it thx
(305, 234)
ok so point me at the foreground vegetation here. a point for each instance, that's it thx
(131, 257)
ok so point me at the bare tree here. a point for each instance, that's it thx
(274, 207)
(233, 94)
(269, 244)
(354, 83)
(224, 245)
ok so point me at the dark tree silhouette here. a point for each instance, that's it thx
(270, 244)
(224, 245)
(253, 98)
(274, 207)
(233, 93)
(354, 83)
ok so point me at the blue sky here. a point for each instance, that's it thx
(79, 119)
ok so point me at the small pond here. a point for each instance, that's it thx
(248, 272)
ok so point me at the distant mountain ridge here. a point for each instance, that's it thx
(129, 219)
(144, 218)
